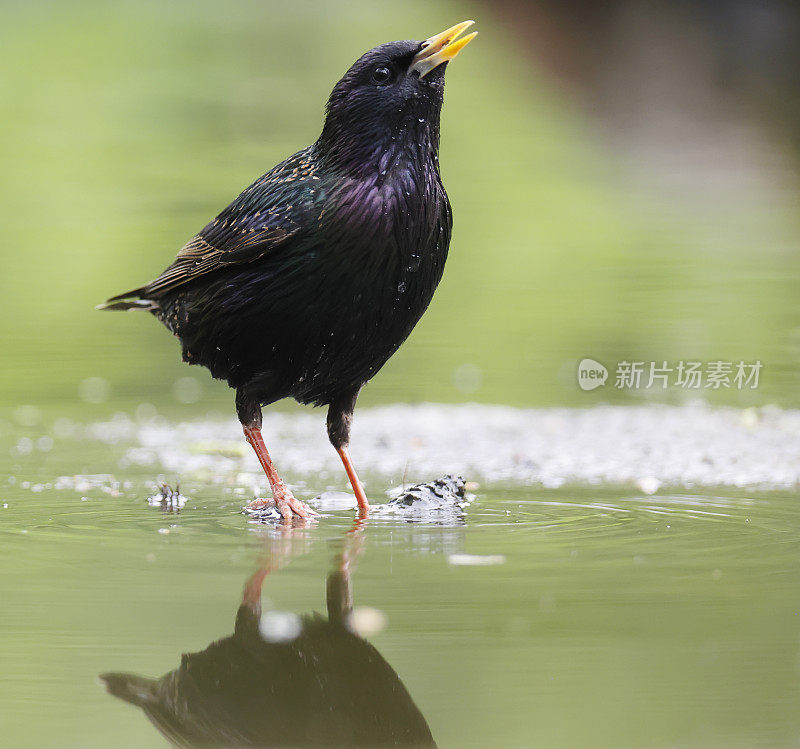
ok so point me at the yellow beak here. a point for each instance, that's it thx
(441, 48)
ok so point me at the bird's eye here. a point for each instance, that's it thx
(382, 75)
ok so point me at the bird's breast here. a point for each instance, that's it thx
(385, 242)
(390, 210)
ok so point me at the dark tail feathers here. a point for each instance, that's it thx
(137, 690)
(129, 300)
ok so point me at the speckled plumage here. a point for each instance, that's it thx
(311, 279)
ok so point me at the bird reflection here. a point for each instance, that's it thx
(280, 680)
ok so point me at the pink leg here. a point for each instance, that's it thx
(361, 497)
(284, 500)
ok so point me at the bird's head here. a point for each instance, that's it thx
(391, 96)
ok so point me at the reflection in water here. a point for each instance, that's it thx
(283, 681)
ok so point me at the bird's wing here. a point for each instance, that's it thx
(274, 210)
(203, 255)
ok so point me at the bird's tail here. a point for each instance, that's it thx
(134, 689)
(129, 300)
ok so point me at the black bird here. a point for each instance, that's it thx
(311, 279)
(321, 685)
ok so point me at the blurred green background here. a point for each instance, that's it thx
(590, 219)
(624, 184)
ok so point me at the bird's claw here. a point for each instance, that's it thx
(290, 507)
(286, 503)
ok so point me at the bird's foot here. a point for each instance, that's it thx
(285, 503)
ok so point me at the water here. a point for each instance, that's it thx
(576, 616)
(625, 576)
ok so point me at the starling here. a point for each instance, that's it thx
(282, 681)
(313, 277)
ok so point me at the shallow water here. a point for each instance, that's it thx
(576, 616)
(626, 575)
(140, 122)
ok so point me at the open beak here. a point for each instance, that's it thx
(441, 48)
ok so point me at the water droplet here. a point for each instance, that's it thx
(366, 621)
(475, 560)
(279, 626)
(401, 287)
(649, 484)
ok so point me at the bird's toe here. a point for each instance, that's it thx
(300, 508)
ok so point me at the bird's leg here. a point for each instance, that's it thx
(339, 587)
(340, 419)
(276, 555)
(358, 489)
(284, 500)
(251, 596)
